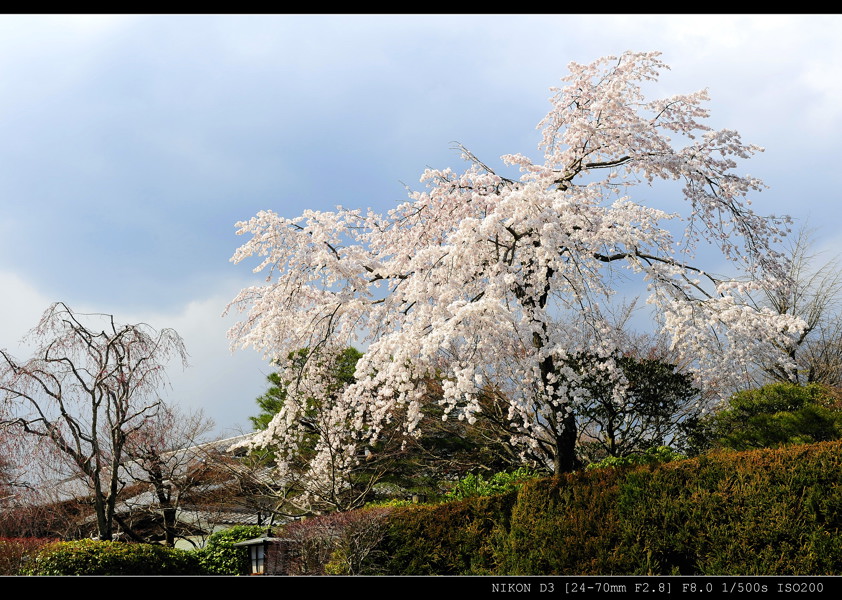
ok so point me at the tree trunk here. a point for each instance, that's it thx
(565, 446)
(564, 459)
(169, 526)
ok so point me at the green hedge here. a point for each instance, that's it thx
(764, 512)
(89, 557)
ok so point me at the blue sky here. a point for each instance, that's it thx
(131, 144)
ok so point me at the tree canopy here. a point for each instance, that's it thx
(485, 281)
(647, 411)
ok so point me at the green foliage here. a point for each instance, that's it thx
(221, 557)
(89, 557)
(565, 525)
(775, 415)
(390, 503)
(652, 456)
(269, 403)
(454, 538)
(764, 512)
(476, 485)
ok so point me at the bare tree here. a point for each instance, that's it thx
(91, 384)
(815, 295)
(166, 458)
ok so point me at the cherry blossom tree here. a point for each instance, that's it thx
(91, 385)
(484, 281)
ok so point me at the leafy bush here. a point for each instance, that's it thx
(89, 557)
(775, 415)
(499, 483)
(221, 557)
(764, 512)
(455, 538)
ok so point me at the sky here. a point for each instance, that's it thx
(130, 145)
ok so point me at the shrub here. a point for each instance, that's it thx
(564, 526)
(455, 538)
(763, 512)
(89, 557)
(775, 415)
(344, 543)
(221, 557)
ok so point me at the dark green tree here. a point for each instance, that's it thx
(270, 402)
(644, 408)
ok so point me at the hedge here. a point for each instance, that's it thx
(89, 557)
(764, 512)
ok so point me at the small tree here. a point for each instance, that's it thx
(90, 386)
(639, 405)
(337, 544)
(166, 458)
(815, 295)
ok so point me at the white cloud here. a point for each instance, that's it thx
(21, 306)
(222, 383)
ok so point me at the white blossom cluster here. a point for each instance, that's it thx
(483, 281)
